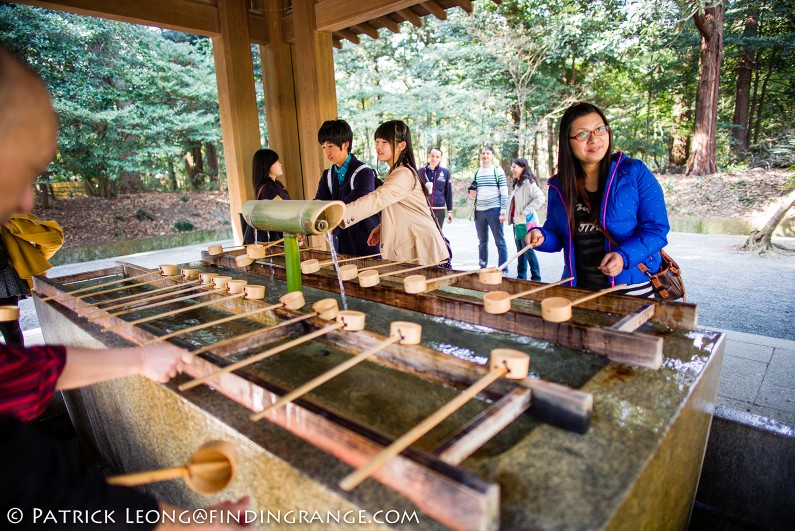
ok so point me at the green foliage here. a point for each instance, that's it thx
(184, 199)
(142, 215)
(183, 226)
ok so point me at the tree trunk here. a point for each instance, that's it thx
(710, 25)
(679, 140)
(742, 99)
(550, 148)
(44, 191)
(212, 164)
(536, 167)
(761, 103)
(760, 240)
(172, 176)
(195, 166)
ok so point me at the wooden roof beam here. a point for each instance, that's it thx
(367, 29)
(333, 15)
(389, 24)
(435, 10)
(348, 35)
(466, 5)
(336, 40)
(411, 17)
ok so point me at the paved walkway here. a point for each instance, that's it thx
(751, 298)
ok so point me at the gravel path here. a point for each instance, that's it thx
(737, 291)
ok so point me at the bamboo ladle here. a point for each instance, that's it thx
(144, 295)
(313, 265)
(292, 301)
(210, 469)
(509, 363)
(169, 274)
(217, 249)
(206, 283)
(351, 271)
(401, 332)
(238, 289)
(486, 275)
(299, 250)
(68, 294)
(249, 258)
(558, 309)
(326, 309)
(500, 301)
(368, 279)
(346, 320)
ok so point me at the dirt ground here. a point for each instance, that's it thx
(91, 220)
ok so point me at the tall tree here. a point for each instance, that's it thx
(709, 21)
(742, 99)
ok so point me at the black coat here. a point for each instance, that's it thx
(267, 190)
(359, 181)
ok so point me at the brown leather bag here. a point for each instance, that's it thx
(667, 282)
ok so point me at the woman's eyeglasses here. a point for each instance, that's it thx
(582, 136)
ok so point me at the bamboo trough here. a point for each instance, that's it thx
(446, 487)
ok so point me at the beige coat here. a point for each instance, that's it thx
(408, 229)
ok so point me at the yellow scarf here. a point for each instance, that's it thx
(30, 243)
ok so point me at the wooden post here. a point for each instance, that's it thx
(237, 100)
(316, 90)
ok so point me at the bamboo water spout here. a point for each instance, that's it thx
(293, 217)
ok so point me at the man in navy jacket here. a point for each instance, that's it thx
(347, 180)
(441, 193)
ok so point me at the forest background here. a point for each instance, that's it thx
(138, 106)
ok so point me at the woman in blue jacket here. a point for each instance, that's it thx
(597, 190)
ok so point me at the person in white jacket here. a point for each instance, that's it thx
(526, 199)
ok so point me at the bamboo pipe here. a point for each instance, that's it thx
(558, 309)
(210, 469)
(292, 301)
(324, 308)
(350, 271)
(96, 286)
(504, 362)
(240, 290)
(500, 301)
(346, 320)
(371, 278)
(399, 332)
(313, 265)
(206, 281)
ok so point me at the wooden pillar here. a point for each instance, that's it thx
(281, 111)
(313, 75)
(234, 71)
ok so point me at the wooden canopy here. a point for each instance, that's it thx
(295, 39)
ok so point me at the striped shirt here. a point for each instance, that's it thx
(28, 377)
(492, 189)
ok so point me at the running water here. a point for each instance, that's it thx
(330, 240)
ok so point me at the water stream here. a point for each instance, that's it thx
(330, 240)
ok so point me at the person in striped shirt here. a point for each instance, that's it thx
(489, 189)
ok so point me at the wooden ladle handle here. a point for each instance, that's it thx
(514, 257)
(598, 294)
(151, 476)
(539, 288)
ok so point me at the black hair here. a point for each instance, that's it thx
(263, 160)
(527, 174)
(570, 170)
(336, 132)
(395, 131)
(436, 149)
(487, 146)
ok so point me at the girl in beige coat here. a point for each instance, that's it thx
(408, 229)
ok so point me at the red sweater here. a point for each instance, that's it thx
(28, 377)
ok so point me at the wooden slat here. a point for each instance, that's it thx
(367, 29)
(333, 15)
(435, 9)
(636, 319)
(349, 36)
(189, 16)
(484, 427)
(411, 17)
(388, 23)
(258, 28)
(336, 41)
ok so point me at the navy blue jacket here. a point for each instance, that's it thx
(359, 181)
(633, 212)
(442, 196)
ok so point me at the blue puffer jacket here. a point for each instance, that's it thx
(633, 212)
